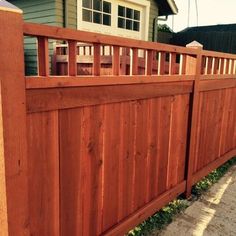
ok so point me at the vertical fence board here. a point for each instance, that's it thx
(164, 123)
(178, 140)
(231, 122)
(153, 147)
(111, 165)
(141, 135)
(127, 159)
(3, 193)
(43, 153)
(198, 130)
(92, 152)
(71, 172)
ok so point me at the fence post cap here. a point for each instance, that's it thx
(194, 44)
(6, 6)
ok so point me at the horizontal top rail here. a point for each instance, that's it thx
(73, 81)
(208, 53)
(53, 32)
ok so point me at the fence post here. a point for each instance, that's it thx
(14, 218)
(193, 67)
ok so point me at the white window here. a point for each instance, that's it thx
(96, 11)
(126, 18)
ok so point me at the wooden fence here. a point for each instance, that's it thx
(98, 154)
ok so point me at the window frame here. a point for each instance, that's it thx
(142, 5)
(96, 11)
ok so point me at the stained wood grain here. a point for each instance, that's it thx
(14, 128)
(93, 157)
(62, 98)
(164, 126)
(140, 153)
(112, 139)
(178, 140)
(43, 164)
(126, 166)
(71, 172)
(72, 64)
(95, 153)
(153, 148)
(84, 36)
(43, 56)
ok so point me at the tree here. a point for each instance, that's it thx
(164, 28)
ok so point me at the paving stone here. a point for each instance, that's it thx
(212, 215)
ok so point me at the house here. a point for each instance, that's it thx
(213, 37)
(126, 18)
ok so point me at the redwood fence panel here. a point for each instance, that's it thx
(97, 154)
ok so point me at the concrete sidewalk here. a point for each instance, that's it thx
(212, 215)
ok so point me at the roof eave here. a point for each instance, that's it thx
(173, 6)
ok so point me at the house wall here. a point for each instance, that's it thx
(43, 12)
(72, 14)
(36, 11)
(153, 14)
(70, 20)
(51, 12)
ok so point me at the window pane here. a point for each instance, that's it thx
(136, 15)
(97, 5)
(136, 26)
(87, 3)
(121, 11)
(121, 23)
(129, 24)
(107, 7)
(97, 17)
(87, 15)
(106, 19)
(129, 13)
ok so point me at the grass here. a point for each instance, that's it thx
(165, 216)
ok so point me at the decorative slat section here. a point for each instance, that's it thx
(227, 64)
(97, 59)
(149, 62)
(221, 71)
(43, 56)
(182, 69)
(116, 60)
(134, 61)
(72, 63)
(216, 66)
(234, 70)
(172, 63)
(209, 65)
(231, 69)
(162, 63)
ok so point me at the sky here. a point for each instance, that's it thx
(210, 12)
